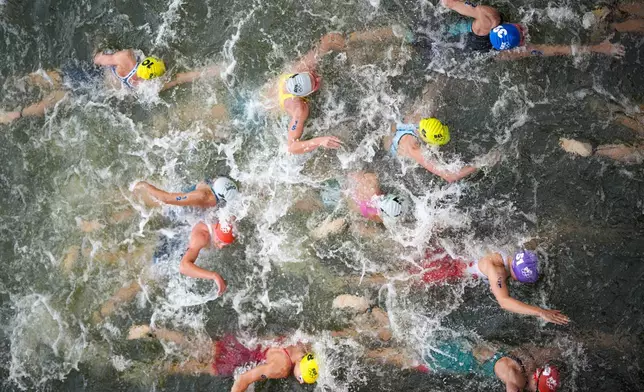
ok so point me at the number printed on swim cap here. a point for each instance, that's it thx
(500, 31)
(519, 258)
(147, 63)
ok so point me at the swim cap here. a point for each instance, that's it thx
(225, 189)
(505, 36)
(150, 68)
(391, 205)
(432, 131)
(309, 368)
(525, 267)
(224, 233)
(299, 84)
(547, 378)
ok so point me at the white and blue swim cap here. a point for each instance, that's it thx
(225, 189)
(505, 37)
(391, 205)
(300, 84)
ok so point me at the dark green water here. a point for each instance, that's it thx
(585, 214)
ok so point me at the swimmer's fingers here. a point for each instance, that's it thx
(330, 142)
(221, 283)
(556, 317)
(608, 48)
(618, 50)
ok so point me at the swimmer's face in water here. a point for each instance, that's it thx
(297, 373)
(316, 81)
(514, 277)
(219, 243)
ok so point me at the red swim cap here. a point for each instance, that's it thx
(547, 378)
(224, 233)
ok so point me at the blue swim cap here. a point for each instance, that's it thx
(505, 36)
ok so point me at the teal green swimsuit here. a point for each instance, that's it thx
(401, 131)
(457, 357)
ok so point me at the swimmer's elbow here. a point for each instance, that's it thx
(185, 266)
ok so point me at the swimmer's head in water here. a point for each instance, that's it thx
(224, 233)
(150, 68)
(507, 36)
(525, 267)
(303, 84)
(390, 205)
(547, 378)
(433, 132)
(308, 371)
(225, 189)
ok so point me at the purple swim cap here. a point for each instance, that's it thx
(525, 266)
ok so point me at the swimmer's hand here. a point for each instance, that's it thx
(554, 316)
(140, 185)
(330, 142)
(331, 41)
(609, 49)
(221, 283)
(490, 159)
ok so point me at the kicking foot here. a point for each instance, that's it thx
(344, 301)
(138, 332)
(576, 147)
(8, 117)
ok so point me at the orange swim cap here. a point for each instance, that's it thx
(224, 233)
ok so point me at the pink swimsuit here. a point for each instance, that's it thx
(367, 209)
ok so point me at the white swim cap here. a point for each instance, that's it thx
(225, 189)
(390, 205)
(300, 84)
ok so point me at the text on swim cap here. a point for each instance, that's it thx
(500, 31)
(519, 259)
(147, 63)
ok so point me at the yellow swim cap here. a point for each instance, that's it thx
(432, 131)
(150, 68)
(309, 368)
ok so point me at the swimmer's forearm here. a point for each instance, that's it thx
(239, 385)
(449, 176)
(181, 78)
(543, 51)
(515, 306)
(465, 8)
(189, 77)
(194, 198)
(187, 267)
(104, 60)
(301, 147)
(193, 271)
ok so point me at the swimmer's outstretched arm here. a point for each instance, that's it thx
(417, 155)
(259, 373)
(189, 77)
(196, 198)
(199, 239)
(328, 43)
(607, 48)
(499, 288)
(299, 112)
(464, 8)
(106, 60)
